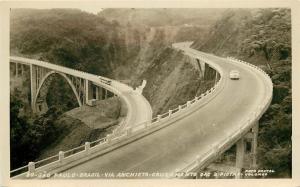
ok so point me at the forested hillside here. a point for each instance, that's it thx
(99, 45)
(71, 38)
(134, 44)
(159, 17)
(106, 44)
(262, 37)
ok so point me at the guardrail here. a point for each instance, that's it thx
(158, 122)
(107, 83)
(202, 160)
(111, 141)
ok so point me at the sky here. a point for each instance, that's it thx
(90, 9)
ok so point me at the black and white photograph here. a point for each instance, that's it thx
(150, 93)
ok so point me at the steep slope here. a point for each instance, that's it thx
(71, 38)
(175, 82)
(35, 137)
(157, 17)
(120, 51)
(105, 47)
(262, 37)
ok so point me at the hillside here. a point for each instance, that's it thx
(157, 17)
(262, 37)
(103, 45)
(64, 126)
(134, 44)
(94, 44)
(67, 37)
(176, 81)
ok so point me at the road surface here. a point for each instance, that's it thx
(177, 145)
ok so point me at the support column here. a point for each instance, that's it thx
(217, 77)
(254, 145)
(88, 90)
(33, 86)
(202, 65)
(80, 83)
(240, 153)
(97, 93)
(22, 69)
(199, 67)
(36, 69)
(17, 70)
(100, 93)
(105, 95)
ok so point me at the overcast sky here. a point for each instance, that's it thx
(93, 10)
(89, 9)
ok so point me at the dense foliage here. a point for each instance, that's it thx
(127, 43)
(61, 95)
(262, 37)
(29, 135)
(71, 38)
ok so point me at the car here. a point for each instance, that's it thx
(106, 81)
(234, 74)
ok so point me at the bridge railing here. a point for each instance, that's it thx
(189, 104)
(246, 124)
(160, 121)
(107, 83)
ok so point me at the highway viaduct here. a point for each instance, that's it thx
(185, 139)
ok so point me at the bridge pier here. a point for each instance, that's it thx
(240, 153)
(217, 77)
(209, 72)
(17, 70)
(97, 93)
(201, 67)
(83, 89)
(254, 145)
(106, 94)
(240, 156)
(241, 148)
(100, 93)
(22, 69)
(88, 91)
(33, 86)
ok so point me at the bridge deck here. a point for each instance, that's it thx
(136, 103)
(177, 145)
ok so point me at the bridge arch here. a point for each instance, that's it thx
(46, 77)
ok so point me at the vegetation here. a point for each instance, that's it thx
(61, 95)
(160, 17)
(37, 137)
(29, 135)
(127, 44)
(70, 38)
(91, 43)
(262, 37)
(174, 83)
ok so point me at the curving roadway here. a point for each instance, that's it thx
(175, 146)
(136, 103)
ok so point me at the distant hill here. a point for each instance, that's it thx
(163, 16)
